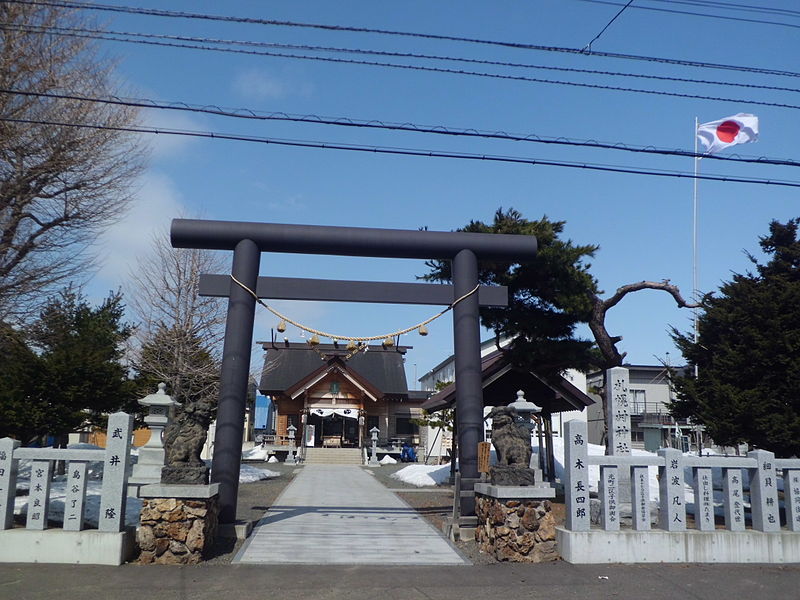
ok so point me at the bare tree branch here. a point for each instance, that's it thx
(608, 343)
(179, 339)
(59, 186)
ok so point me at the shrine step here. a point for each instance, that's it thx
(333, 456)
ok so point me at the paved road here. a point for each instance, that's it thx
(341, 515)
(551, 581)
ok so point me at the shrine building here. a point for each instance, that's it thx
(334, 397)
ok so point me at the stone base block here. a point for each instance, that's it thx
(88, 547)
(185, 475)
(516, 530)
(239, 530)
(511, 475)
(177, 530)
(516, 492)
(720, 546)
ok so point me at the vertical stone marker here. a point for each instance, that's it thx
(670, 484)
(791, 492)
(618, 422)
(115, 473)
(577, 465)
(703, 499)
(75, 498)
(39, 497)
(764, 492)
(8, 481)
(640, 498)
(734, 496)
(608, 490)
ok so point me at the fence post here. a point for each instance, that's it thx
(8, 481)
(640, 498)
(764, 492)
(114, 492)
(75, 498)
(608, 490)
(703, 499)
(791, 496)
(39, 495)
(734, 497)
(576, 473)
(670, 490)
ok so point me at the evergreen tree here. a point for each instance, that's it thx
(23, 413)
(80, 351)
(748, 353)
(548, 297)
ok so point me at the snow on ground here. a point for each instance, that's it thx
(133, 506)
(255, 453)
(387, 460)
(422, 475)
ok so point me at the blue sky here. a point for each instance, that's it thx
(642, 224)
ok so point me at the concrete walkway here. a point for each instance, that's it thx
(332, 514)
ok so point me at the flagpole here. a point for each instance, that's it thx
(694, 234)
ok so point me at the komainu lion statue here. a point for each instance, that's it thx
(512, 442)
(183, 443)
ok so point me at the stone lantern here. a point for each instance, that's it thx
(290, 459)
(373, 461)
(526, 410)
(160, 409)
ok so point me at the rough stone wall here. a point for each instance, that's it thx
(176, 531)
(516, 530)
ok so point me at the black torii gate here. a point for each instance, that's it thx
(248, 240)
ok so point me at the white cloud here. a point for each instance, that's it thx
(122, 245)
(167, 145)
(258, 84)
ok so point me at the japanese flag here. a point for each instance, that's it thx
(718, 135)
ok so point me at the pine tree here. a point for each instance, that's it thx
(748, 353)
(548, 297)
(80, 352)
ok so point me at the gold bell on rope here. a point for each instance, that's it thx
(314, 341)
(388, 342)
(351, 345)
(281, 326)
(423, 330)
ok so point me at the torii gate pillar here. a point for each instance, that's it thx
(234, 377)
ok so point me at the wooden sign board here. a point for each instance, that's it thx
(484, 450)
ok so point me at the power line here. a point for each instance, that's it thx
(97, 33)
(431, 36)
(697, 14)
(412, 152)
(429, 69)
(603, 30)
(766, 10)
(246, 113)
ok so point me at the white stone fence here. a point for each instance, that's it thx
(763, 468)
(115, 460)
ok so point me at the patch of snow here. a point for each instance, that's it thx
(387, 460)
(248, 473)
(272, 459)
(255, 453)
(422, 475)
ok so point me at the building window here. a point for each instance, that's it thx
(404, 426)
(638, 402)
